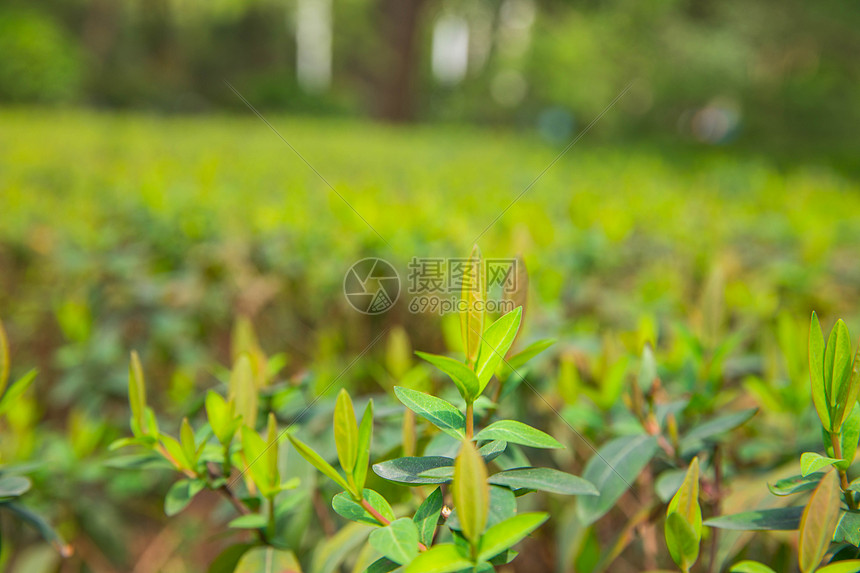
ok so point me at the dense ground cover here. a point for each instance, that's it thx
(155, 233)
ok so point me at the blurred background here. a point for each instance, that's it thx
(144, 206)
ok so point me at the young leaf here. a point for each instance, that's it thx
(777, 519)
(397, 541)
(180, 495)
(348, 508)
(440, 413)
(811, 462)
(271, 454)
(365, 433)
(508, 533)
(837, 370)
(268, 560)
(647, 369)
(243, 390)
(795, 484)
(319, 463)
(496, 342)
(427, 516)
(612, 470)
(186, 439)
(345, 432)
(473, 296)
(683, 526)
(750, 567)
(257, 454)
(442, 558)
(136, 390)
(471, 492)
(517, 433)
(544, 479)
(15, 391)
(249, 521)
(847, 566)
(819, 521)
(816, 372)
(682, 541)
(463, 376)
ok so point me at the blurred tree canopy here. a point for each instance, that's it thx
(781, 74)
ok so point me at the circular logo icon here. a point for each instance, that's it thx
(371, 286)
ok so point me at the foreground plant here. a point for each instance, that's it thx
(829, 524)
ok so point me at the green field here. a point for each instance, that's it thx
(154, 233)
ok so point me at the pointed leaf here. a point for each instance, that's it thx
(495, 343)
(837, 367)
(411, 469)
(463, 376)
(777, 519)
(440, 413)
(243, 390)
(848, 530)
(686, 500)
(818, 523)
(471, 492)
(682, 541)
(517, 433)
(397, 541)
(136, 389)
(544, 479)
(442, 558)
(472, 296)
(616, 465)
(508, 533)
(345, 432)
(365, 434)
(16, 390)
(816, 372)
(811, 462)
(249, 521)
(427, 516)
(180, 495)
(319, 463)
(795, 484)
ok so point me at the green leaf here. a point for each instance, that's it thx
(329, 554)
(221, 418)
(683, 527)
(13, 486)
(411, 469)
(268, 560)
(365, 434)
(473, 295)
(819, 521)
(228, 560)
(795, 484)
(750, 567)
(519, 360)
(257, 455)
(243, 390)
(508, 533)
(348, 508)
(39, 523)
(517, 433)
(471, 492)
(847, 566)
(837, 372)
(848, 530)
(495, 343)
(816, 372)
(186, 439)
(136, 390)
(4, 359)
(686, 499)
(463, 376)
(180, 495)
(544, 479)
(777, 519)
(177, 456)
(442, 558)
(15, 391)
(382, 565)
(849, 436)
(647, 369)
(319, 463)
(682, 541)
(811, 462)
(615, 466)
(249, 521)
(345, 432)
(440, 413)
(492, 450)
(427, 516)
(398, 541)
(503, 505)
(694, 438)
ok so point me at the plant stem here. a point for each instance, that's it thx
(271, 529)
(843, 476)
(470, 420)
(716, 506)
(382, 520)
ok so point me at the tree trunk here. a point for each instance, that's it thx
(395, 85)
